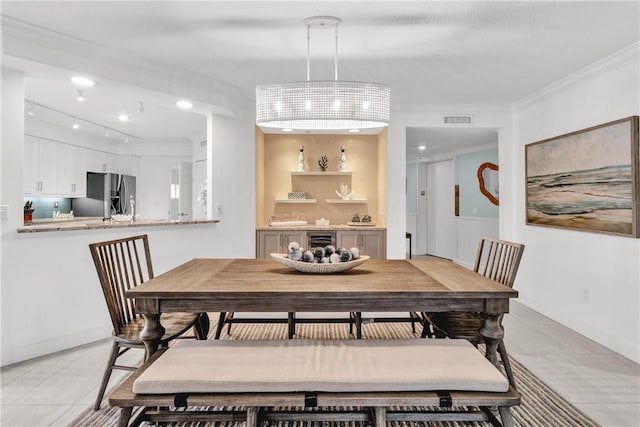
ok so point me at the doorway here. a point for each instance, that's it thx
(445, 209)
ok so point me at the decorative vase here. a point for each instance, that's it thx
(342, 166)
(301, 159)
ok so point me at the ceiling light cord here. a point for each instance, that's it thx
(308, 52)
(335, 58)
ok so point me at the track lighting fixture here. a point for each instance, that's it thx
(75, 121)
(140, 107)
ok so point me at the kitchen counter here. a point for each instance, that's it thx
(324, 227)
(98, 224)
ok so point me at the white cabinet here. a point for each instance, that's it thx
(110, 162)
(129, 165)
(99, 161)
(71, 171)
(39, 172)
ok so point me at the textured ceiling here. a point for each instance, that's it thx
(428, 52)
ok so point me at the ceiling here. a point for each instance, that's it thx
(430, 53)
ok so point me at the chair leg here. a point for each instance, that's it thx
(507, 364)
(107, 373)
(352, 317)
(220, 325)
(125, 415)
(201, 328)
(229, 324)
(291, 323)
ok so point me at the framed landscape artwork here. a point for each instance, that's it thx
(586, 180)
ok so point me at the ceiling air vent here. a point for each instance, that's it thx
(458, 120)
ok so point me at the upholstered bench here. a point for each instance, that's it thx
(261, 375)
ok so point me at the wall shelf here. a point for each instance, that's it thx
(317, 173)
(347, 201)
(296, 201)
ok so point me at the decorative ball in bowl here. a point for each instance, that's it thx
(316, 267)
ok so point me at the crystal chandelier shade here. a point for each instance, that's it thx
(322, 104)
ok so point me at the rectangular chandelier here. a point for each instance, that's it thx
(322, 104)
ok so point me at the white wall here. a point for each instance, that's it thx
(50, 291)
(152, 185)
(589, 282)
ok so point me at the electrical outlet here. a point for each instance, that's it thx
(219, 209)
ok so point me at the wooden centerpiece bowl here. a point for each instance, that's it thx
(318, 268)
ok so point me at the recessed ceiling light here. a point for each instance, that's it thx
(422, 147)
(123, 117)
(80, 95)
(354, 130)
(287, 130)
(83, 81)
(75, 125)
(184, 104)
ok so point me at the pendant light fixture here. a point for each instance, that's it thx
(322, 105)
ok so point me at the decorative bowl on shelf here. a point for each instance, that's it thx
(318, 268)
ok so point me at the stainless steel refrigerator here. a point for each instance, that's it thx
(107, 194)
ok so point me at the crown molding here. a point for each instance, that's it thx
(610, 63)
(38, 44)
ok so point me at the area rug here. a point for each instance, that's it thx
(540, 407)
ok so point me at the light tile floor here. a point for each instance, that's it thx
(52, 390)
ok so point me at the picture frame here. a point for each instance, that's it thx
(587, 180)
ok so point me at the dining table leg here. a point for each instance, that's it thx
(153, 331)
(493, 333)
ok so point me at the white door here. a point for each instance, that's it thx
(442, 234)
(186, 191)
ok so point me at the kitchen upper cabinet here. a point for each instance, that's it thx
(129, 165)
(278, 241)
(370, 242)
(71, 171)
(99, 161)
(39, 172)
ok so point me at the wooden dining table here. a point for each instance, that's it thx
(262, 285)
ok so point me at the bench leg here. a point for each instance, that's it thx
(252, 416)
(505, 414)
(220, 325)
(380, 416)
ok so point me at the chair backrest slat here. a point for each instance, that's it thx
(498, 260)
(121, 265)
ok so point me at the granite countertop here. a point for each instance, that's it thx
(323, 227)
(98, 224)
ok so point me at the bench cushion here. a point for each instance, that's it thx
(320, 365)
